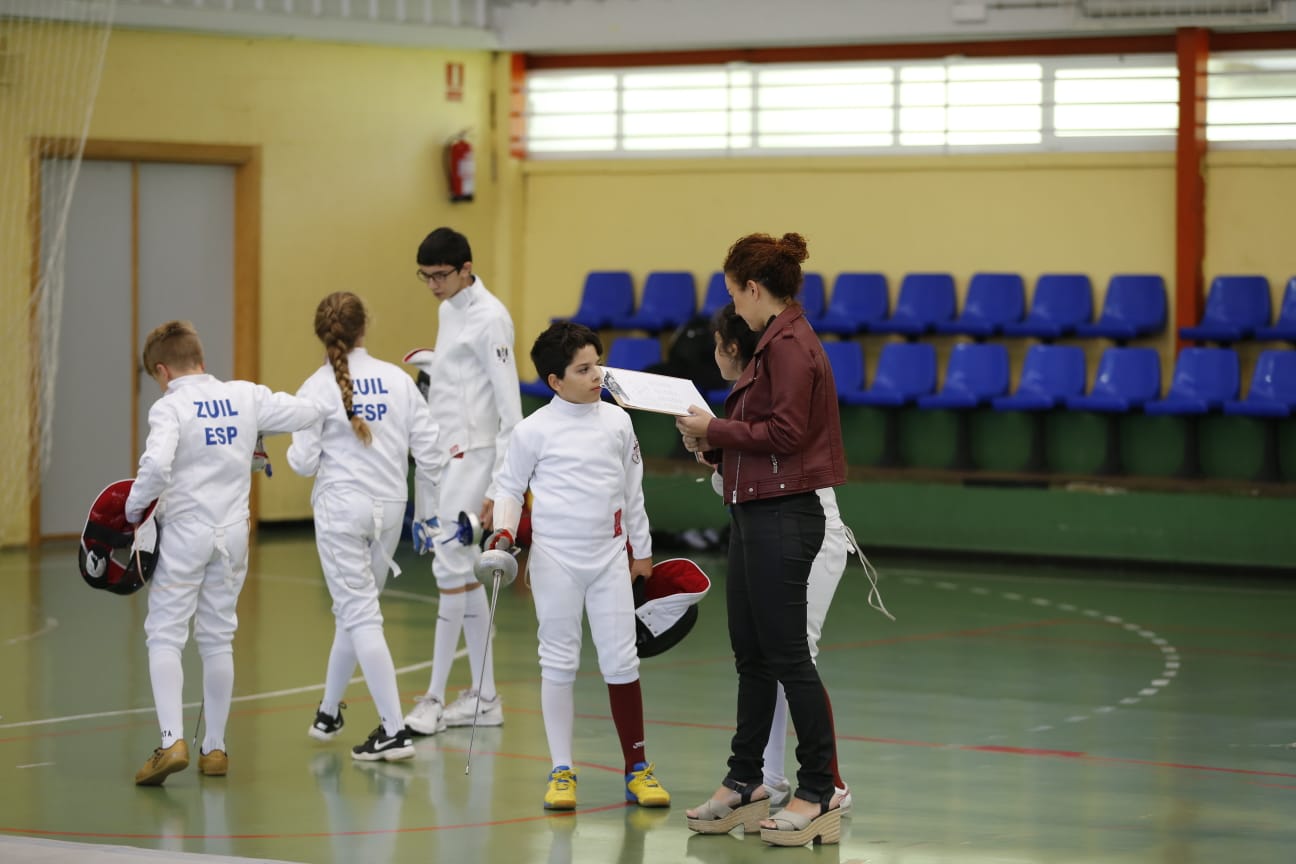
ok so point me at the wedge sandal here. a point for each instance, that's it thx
(793, 829)
(716, 817)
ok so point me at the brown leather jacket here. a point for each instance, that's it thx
(784, 435)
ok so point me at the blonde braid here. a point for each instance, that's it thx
(336, 326)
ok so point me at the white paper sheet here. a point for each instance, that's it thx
(645, 391)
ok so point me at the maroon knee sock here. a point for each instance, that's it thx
(836, 772)
(627, 715)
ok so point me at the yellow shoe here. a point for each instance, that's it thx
(643, 789)
(561, 794)
(163, 763)
(213, 764)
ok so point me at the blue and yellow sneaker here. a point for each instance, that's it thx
(561, 794)
(643, 789)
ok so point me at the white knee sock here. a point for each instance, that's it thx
(167, 677)
(379, 674)
(450, 619)
(776, 749)
(558, 705)
(476, 626)
(218, 691)
(341, 666)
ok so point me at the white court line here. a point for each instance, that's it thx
(1153, 687)
(250, 697)
(50, 624)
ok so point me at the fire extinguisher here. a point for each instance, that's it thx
(461, 171)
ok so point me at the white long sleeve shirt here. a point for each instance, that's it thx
(583, 466)
(390, 402)
(198, 457)
(473, 394)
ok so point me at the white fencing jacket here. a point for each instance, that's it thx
(390, 402)
(198, 456)
(583, 466)
(473, 394)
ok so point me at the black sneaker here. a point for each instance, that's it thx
(383, 746)
(326, 728)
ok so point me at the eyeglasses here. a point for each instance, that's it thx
(439, 278)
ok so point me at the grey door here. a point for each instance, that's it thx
(129, 268)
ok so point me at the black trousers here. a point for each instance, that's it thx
(771, 548)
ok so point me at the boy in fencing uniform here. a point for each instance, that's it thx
(474, 399)
(581, 461)
(373, 417)
(198, 461)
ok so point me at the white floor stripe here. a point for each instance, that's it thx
(50, 624)
(250, 697)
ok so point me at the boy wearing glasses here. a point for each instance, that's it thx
(474, 398)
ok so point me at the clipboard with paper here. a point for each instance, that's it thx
(646, 391)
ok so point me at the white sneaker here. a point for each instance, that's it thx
(460, 711)
(842, 798)
(427, 717)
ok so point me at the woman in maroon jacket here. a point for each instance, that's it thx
(781, 440)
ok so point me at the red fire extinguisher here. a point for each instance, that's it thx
(461, 171)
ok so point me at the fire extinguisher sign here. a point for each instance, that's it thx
(454, 82)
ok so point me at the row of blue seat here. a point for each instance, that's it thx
(1240, 307)
(1053, 376)
(1134, 305)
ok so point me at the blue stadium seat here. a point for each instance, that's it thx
(608, 295)
(858, 300)
(1134, 306)
(812, 297)
(993, 300)
(1050, 374)
(976, 374)
(1236, 306)
(925, 299)
(536, 388)
(717, 295)
(1128, 378)
(1285, 327)
(1273, 387)
(847, 362)
(905, 371)
(634, 352)
(669, 299)
(1204, 379)
(1062, 301)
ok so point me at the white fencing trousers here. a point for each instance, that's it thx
(356, 536)
(200, 572)
(464, 482)
(568, 582)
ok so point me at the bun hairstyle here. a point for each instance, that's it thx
(776, 264)
(339, 323)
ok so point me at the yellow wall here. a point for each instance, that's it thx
(350, 140)
(1031, 214)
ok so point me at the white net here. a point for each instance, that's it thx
(51, 59)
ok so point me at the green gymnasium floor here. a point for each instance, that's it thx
(1012, 714)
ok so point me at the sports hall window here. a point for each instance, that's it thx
(955, 105)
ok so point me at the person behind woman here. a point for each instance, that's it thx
(779, 442)
(735, 344)
(373, 417)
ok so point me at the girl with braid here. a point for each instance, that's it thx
(372, 418)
